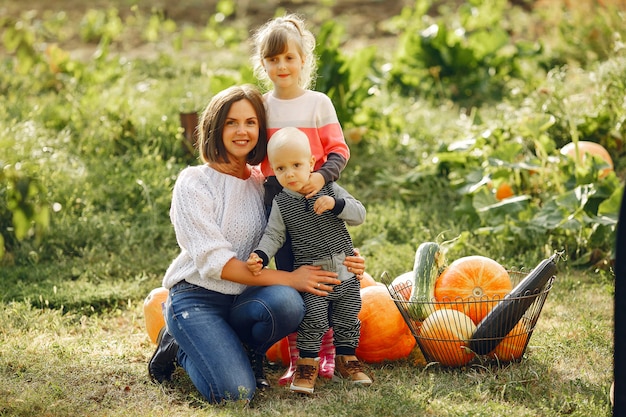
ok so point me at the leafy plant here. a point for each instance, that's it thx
(468, 56)
(25, 213)
(346, 79)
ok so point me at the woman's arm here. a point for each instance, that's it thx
(307, 278)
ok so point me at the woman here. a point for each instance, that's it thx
(220, 318)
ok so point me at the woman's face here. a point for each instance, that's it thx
(241, 130)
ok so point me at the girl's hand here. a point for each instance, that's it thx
(315, 184)
(355, 264)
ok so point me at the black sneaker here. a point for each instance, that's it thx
(163, 361)
(256, 361)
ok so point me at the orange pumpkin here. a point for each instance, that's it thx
(367, 280)
(504, 191)
(402, 285)
(279, 352)
(473, 285)
(153, 312)
(444, 337)
(589, 148)
(384, 333)
(513, 345)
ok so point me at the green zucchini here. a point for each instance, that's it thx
(508, 312)
(429, 259)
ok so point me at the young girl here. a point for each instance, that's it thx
(284, 60)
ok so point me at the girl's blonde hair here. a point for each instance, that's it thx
(272, 39)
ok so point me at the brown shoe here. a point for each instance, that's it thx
(305, 376)
(350, 368)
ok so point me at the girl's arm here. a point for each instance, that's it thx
(331, 170)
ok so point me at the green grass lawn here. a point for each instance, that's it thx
(55, 363)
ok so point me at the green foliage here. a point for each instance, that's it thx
(345, 79)
(467, 56)
(101, 25)
(103, 142)
(25, 208)
(583, 35)
(554, 197)
(586, 104)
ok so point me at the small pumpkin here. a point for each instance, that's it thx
(153, 311)
(589, 148)
(384, 333)
(513, 345)
(504, 190)
(444, 337)
(279, 352)
(472, 284)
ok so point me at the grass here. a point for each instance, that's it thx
(55, 363)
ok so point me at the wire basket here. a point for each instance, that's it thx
(445, 335)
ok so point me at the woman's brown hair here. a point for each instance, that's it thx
(211, 127)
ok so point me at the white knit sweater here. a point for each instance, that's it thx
(216, 217)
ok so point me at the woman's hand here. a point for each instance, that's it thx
(355, 264)
(314, 280)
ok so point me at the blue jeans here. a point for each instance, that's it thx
(210, 328)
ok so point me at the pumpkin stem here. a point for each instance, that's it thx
(478, 292)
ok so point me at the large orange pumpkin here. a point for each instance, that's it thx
(589, 148)
(473, 285)
(384, 333)
(513, 345)
(153, 312)
(279, 352)
(444, 337)
(367, 280)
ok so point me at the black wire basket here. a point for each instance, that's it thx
(447, 335)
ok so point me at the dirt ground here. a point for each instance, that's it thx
(359, 16)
